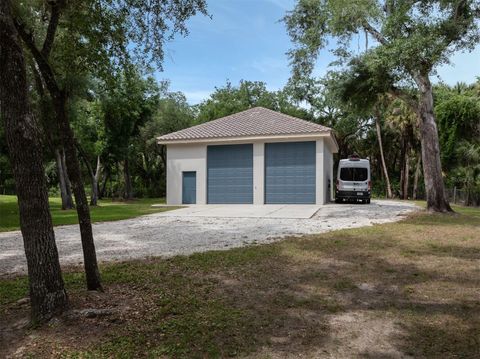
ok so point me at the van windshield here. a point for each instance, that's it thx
(353, 174)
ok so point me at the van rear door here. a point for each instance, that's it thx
(353, 179)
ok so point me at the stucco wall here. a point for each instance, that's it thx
(186, 157)
(258, 173)
(319, 192)
(328, 173)
(182, 158)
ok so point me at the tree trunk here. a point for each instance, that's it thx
(59, 98)
(94, 176)
(104, 184)
(128, 180)
(47, 292)
(95, 180)
(75, 174)
(64, 183)
(163, 156)
(406, 176)
(65, 192)
(432, 167)
(402, 165)
(417, 175)
(67, 179)
(119, 191)
(384, 166)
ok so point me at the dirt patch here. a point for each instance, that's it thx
(92, 316)
(363, 334)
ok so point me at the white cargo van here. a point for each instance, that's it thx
(353, 180)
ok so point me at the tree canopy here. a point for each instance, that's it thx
(410, 39)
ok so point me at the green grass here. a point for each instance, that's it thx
(421, 277)
(107, 210)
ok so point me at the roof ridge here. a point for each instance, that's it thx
(293, 117)
(211, 121)
(267, 122)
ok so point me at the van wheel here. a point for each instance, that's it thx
(368, 201)
(337, 200)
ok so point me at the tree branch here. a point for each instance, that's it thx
(43, 65)
(43, 105)
(52, 26)
(85, 158)
(457, 9)
(376, 34)
(37, 78)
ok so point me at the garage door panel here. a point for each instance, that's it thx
(230, 174)
(290, 172)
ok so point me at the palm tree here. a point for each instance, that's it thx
(380, 146)
(405, 122)
(468, 171)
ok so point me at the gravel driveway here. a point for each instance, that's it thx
(160, 235)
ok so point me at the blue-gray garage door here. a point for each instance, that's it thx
(290, 172)
(230, 174)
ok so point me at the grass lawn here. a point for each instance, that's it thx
(407, 289)
(107, 210)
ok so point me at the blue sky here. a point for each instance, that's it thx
(245, 39)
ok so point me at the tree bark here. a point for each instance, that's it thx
(94, 176)
(384, 166)
(63, 182)
(163, 156)
(67, 201)
(432, 167)
(104, 184)
(59, 98)
(95, 180)
(68, 184)
(403, 153)
(75, 174)
(417, 175)
(406, 176)
(47, 292)
(128, 192)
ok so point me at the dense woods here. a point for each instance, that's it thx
(115, 132)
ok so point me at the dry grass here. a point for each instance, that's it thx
(409, 289)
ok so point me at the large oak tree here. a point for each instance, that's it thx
(71, 38)
(408, 40)
(22, 133)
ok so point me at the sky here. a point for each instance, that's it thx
(245, 39)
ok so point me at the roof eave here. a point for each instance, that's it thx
(312, 135)
(334, 142)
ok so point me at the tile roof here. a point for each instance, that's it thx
(257, 121)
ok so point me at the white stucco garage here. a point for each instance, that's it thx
(257, 156)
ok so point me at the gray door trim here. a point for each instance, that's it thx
(191, 196)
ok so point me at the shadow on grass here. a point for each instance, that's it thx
(280, 299)
(218, 304)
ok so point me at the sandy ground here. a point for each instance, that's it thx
(160, 235)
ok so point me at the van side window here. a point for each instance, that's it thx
(353, 174)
